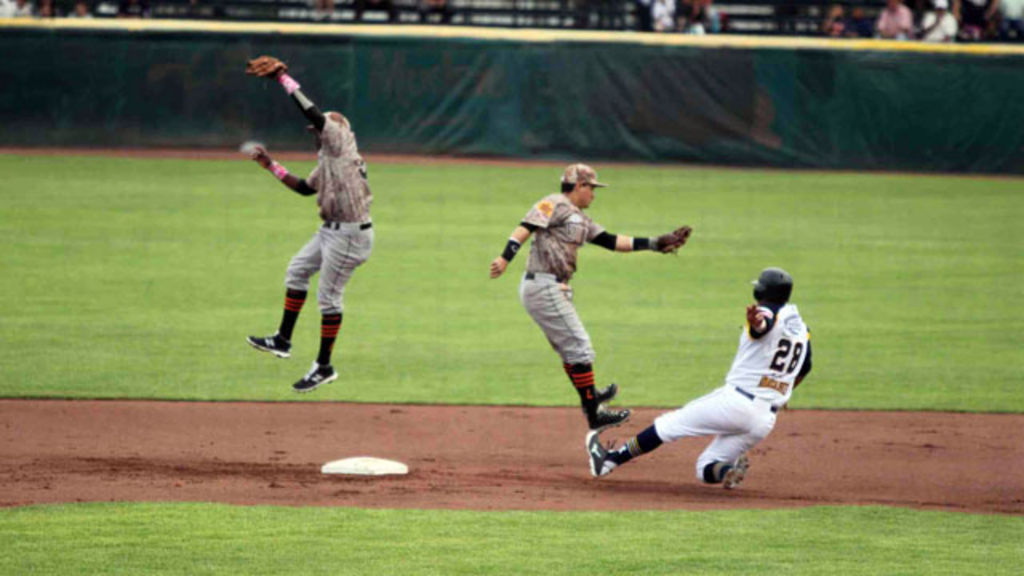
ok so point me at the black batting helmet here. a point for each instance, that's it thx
(773, 285)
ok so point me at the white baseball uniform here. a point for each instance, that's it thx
(742, 412)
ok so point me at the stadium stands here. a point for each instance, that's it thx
(798, 17)
(766, 17)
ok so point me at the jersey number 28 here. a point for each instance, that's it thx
(782, 356)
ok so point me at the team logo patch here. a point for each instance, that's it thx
(793, 325)
(575, 219)
(546, 208)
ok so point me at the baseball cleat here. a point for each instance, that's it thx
(317, 376)
(600, 465)
(273, 344)
(734, 477)
(604, 395)
(607, 418)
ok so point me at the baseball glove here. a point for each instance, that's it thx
(674, 240)
(265, 67)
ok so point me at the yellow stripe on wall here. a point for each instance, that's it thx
(512, 35)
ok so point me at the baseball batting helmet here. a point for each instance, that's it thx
(773, 285)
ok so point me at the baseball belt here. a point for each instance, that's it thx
(340, 225)
(532, 276)
(775, 409)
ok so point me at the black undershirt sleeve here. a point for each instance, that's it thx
(769, 322)
(806, 368)
(304, 188)
(531, 227)
(605, 240)
(309, 110)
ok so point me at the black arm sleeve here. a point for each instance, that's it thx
(605, 240)
(312, 113)
(769, 322)
(806, 368)
(531, 227)
(304, 188)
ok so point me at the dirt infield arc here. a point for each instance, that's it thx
(488, 458)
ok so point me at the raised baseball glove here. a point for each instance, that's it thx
(674, 240)
(265, 67)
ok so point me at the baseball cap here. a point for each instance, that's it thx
(581, 173)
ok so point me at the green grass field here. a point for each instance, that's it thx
(216, 539)
(130, 278)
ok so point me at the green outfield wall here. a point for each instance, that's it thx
(797, 103)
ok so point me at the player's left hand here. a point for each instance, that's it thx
(498, 267)
(674, 240)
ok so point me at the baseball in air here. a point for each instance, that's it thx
(248, 147)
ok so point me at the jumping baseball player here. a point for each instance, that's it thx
(560, 227)
(340, 245)
(774, 356)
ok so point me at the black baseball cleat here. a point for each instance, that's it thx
(600, 465)
(606, 418)
(273, 344)
(316, 376)
(604, 395)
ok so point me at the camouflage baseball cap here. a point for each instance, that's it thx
(581, 173)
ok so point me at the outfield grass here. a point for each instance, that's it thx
(140, 278)
(217, 539)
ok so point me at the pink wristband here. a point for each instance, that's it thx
(278, 171)
(289, 83)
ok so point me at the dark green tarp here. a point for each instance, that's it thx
(819, 108)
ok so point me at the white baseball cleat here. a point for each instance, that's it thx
(734, 477)
(600, 465)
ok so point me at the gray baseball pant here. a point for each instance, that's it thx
(335, 253)
(549, 303)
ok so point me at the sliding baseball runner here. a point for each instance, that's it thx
(773, 357)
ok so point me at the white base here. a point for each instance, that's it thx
(365, 466)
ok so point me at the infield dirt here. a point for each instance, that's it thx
(489, 458)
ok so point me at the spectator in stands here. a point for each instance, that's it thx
(939, 25)
(378, 6)
(16, 9)
(978, 19)
(322, 9)
(133, 9)
(895, 22)
(859, 24)
(440, 7)
(834, 24)
(81, 10)
(46, 9)
(701, 17)
(1011, 20)
(663, 15)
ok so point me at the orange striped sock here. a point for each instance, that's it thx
(582, 377)
(330, 325)
(293, 301)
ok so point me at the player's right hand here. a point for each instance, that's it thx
(498, 267)
(755, 317)
(260, 155)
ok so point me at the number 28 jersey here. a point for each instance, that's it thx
(767, 366)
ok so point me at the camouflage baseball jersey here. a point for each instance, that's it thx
(561, 229)
(339, 178)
